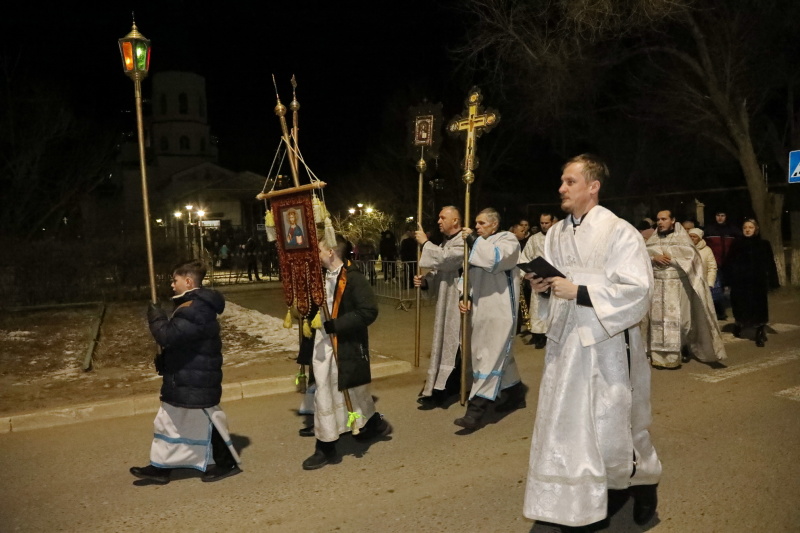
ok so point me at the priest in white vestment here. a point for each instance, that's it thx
(494, 296)
(682, 311)
(441, 282)
(591, 431)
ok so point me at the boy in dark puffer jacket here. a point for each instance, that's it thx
(190, 429)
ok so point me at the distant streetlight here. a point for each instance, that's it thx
(200, 215)
(135, 51)
(352, 211)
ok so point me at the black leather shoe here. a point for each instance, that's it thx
(645, 501)
(320, 459)
(216, 472)
(306, 432)
(152, 473)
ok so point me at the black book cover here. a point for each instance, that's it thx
(541, 268)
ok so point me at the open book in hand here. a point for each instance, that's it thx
(541, 268)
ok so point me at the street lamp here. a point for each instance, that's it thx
(190, 238)
(200, 215)
(178, 215)
(135, 51)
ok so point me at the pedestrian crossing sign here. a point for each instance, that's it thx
(794, 166)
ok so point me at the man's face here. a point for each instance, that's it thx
(181, 284)
(687, 224)
(545, 222)
(721, 218)
(484, 227)
(292, 218)
(519, 232)
(576, 193)
(448, 221)
(525, 225)
(325, 255)
(664, 221)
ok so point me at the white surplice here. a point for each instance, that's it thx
(330, 409)
(445, 262)
(494, 284)
(593, 411)
(533, 249)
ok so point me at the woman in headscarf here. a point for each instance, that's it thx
(751, 272)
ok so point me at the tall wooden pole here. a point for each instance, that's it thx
(146, 202)
(421, 167)
(466, 331)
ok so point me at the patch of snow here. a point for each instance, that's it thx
(268, 328)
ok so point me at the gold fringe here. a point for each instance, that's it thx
(287, 322)
(306, 329)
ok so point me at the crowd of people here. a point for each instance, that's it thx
(606, 302)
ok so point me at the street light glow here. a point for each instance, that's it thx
(177, 214)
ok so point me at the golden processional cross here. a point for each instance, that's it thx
(474, 122)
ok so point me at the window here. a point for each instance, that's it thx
(163, 103)
(183, 104)
(202, 107)
(202, 144)
(185, 145)
(163, 143)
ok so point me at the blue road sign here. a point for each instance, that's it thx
(794, 166)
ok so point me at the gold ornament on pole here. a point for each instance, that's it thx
(474, 123)
(135, 51)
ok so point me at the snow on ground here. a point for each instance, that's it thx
(266, 328)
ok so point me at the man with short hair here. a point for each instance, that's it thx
(353, 308)
(534, 249)
(682, 314)
(441, 282)
(590, 434)
(494, 297)
(190, 428)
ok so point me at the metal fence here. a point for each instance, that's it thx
(393, 281)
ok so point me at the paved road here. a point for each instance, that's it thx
(727, 439)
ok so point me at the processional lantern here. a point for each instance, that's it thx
(135, 51)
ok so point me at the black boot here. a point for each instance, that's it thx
(737, 330)
(761, 336)
(645, 501)
(514, 398)
(376, 427)
(324, 453)
(476, 407)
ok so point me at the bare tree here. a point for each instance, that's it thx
(716, 69)
(48, 156)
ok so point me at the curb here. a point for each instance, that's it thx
(137, 405)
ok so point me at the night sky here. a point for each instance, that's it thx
(351, 60)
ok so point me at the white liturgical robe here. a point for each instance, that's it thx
(445, 262)
(533, 249)
(494, 284)
(593, 413)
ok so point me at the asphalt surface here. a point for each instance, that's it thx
(727, 438)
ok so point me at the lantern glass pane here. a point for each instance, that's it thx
(141, 56)
(147, 67)
(127, 55)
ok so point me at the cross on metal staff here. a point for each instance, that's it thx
(474, 122)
